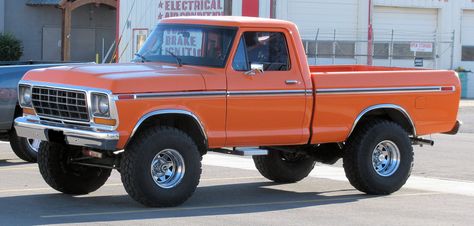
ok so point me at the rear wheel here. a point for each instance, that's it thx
(161, 168)
(378, 158)
(60, 174)
(284, 167)
(26, 149)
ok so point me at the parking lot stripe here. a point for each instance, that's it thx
(120, 184)
(17, 168)
(337, 173)
(228, 206)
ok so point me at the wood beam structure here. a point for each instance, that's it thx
(67, 7)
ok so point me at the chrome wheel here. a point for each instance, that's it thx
(34, 144)
(386, 158)
(167, 168)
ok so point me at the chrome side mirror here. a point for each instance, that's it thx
(254, 69)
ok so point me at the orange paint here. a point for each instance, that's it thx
(234, 119)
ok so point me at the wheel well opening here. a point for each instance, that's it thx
(182, 122)
(389, 114)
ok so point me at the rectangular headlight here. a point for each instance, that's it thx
(100, 105)
(25, 96)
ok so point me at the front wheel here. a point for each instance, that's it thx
(59, 173)
(161, 168)
(378, 158)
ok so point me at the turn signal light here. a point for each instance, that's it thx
(103, 121)
(29, 111)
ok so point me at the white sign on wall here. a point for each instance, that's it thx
(173, 8)
(426, 47)
(182, 43)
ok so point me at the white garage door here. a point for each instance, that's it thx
(310, 15)
(407, 23)
(467, 27)
(467, 39)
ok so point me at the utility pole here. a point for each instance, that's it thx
(370, 34)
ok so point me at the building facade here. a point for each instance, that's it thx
(426, 33)
(38, 24)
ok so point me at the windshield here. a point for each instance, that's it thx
(188, 44)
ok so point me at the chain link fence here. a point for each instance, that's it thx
(388, 48)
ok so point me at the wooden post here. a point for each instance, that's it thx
(66, 33)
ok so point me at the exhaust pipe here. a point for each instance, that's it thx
(421, 141)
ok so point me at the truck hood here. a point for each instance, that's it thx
(123, 78)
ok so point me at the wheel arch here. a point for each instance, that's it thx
(391, 112)
(184, 120)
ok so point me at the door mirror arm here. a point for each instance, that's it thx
(255, 69)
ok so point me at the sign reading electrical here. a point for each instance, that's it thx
(172, 8)
(187, 42)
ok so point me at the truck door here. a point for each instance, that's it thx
(266, 93)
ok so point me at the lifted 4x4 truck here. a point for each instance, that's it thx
(234, 85)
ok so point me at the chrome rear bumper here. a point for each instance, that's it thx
(72, 135)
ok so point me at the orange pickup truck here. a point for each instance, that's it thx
(235, 85)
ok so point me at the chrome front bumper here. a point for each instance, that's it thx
(72, 135)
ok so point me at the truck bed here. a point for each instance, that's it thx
(356, 68)
(343, 92)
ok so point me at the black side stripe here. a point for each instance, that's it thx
(381, 90)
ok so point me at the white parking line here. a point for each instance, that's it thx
(242, 205)
(337, 173)
(16, 190)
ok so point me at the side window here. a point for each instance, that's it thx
(240, 62)
(268, 49)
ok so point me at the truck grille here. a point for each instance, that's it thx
(60, 104)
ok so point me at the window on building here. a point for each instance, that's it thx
(402, 51)
(381, 50)
(324, 49)
(467, 53)
(345, 49)
(425, 55)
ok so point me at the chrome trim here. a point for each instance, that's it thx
(73, 135)
(383, 106)
(79, 98)
(213, 93)
(168, 111)
(384, 90)
(89, 91)
(267, 92)
(179, 94)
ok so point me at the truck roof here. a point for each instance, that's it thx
(231, 21)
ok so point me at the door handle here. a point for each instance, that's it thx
(292, 82)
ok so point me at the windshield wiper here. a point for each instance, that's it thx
(141, 57)
(178, 60)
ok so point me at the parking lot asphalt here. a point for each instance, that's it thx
(232, 192)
